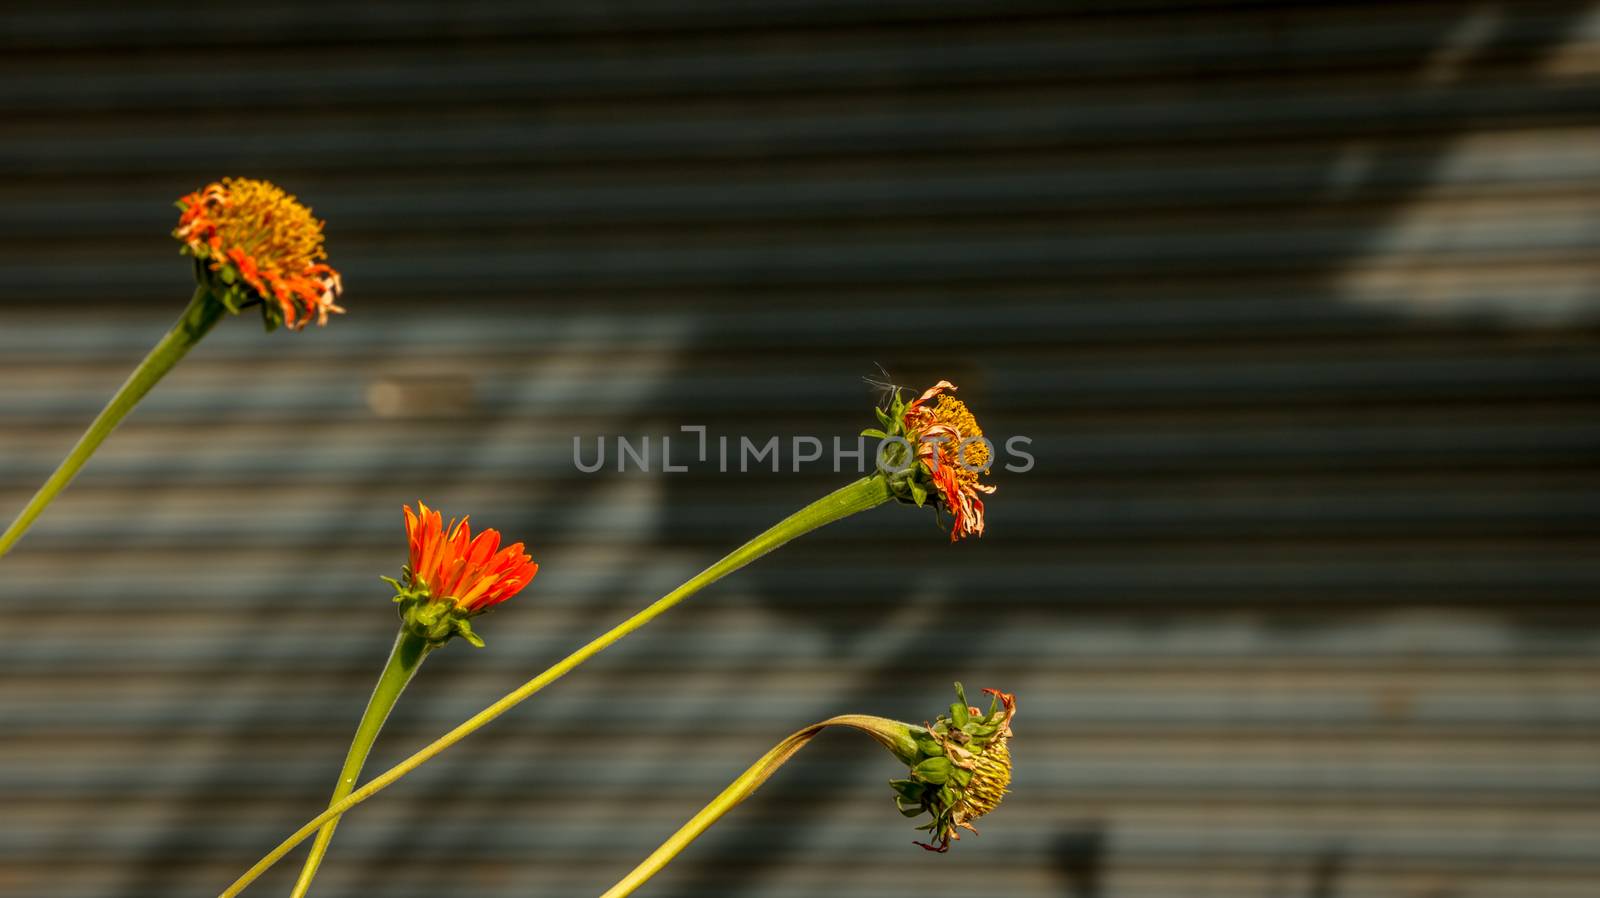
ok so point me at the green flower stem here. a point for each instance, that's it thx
(197, 320)
(404, 659)
(866, 493)
(892, 734)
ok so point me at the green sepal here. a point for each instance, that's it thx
(463, 628)
(934, 770)
(958, 713)
(910, 790)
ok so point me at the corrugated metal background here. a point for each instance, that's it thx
(1298, 303)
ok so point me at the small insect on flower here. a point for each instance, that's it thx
(962, 768)
(255, 244)
(453, 576)
(948, 455)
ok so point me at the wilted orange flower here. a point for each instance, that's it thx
(952, 448)
(252, 233)
(473, 573)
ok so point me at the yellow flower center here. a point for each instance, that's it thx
(969, 454)
(991, 775)
(271, 226)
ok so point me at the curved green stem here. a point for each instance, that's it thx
(196, 321)
(866, 493)
(892, 734)
(404, 659)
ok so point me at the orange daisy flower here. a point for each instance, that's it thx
(951, 447)
(473, 574)
(260, 244)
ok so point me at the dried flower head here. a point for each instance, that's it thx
(253, 243)
(947, 454)
(961, 770)
(453, 576)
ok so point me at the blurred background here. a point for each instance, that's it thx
(1297, 302)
